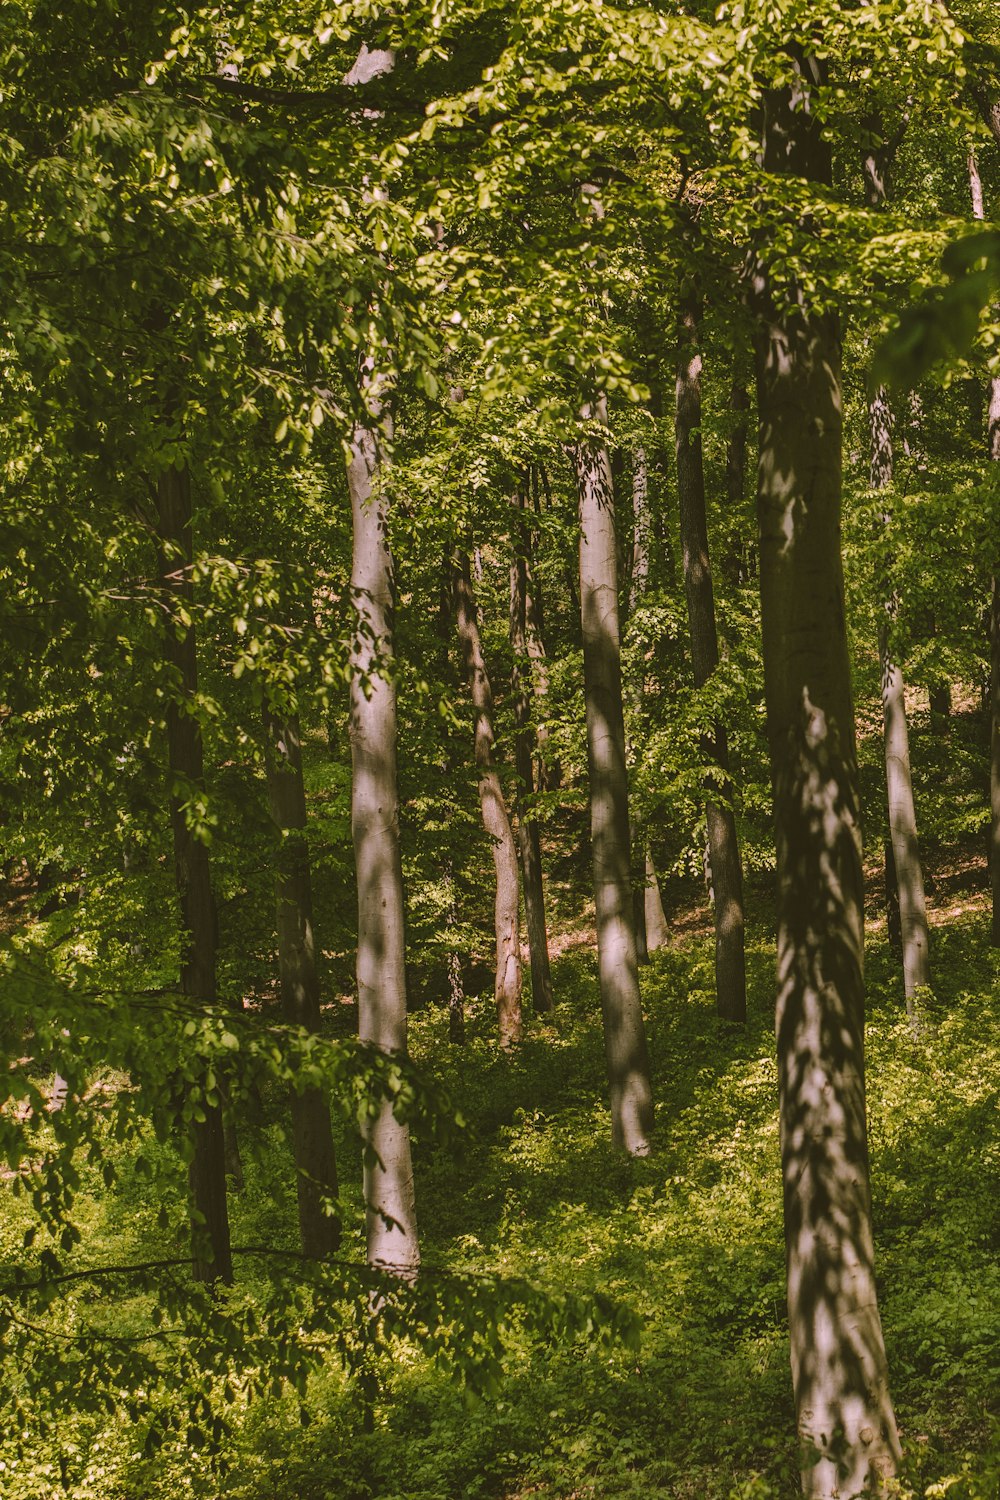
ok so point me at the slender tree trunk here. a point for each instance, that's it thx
(496, 821)
(839, 1369)
(738, 563)
(657, 931)
(529, 839)
(389, 1197)
(909, 880)
(549, 770)
(624, 1028)
(312, 1136)
(212, 1256)
(723, 845)
(650, 923)
(992, 112)
(905, 881)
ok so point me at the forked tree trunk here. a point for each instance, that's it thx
(529, 839)
(312, 1135)
(212, 1255)
(388, 1172)
(723, 845)
(993, 442)
(839, 1372)
(624, 1028)
(909, 879)
(496, 821)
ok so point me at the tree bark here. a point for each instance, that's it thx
(388, 1173)
(839, 1371)
(549, 770)
(657, 931)
(496, 820)
(529, 839)
(624, 1028)
(992, 113)
(723, 845)
(312, 1136)
(909, 880)
(905, 882)
(738, 564)
(212, 1255)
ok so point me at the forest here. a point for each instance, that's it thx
(499, 750)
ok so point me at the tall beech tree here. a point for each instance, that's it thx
(621, 1003)
(312, 1135)
(390, 1205)
(904, 873)
(529, 837)
(496, 820)
(723, 844)
(186, 760)
(839, 1373)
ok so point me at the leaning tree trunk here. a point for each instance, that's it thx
(993, 441)
(909, 879)
(723, 845)
(624, 1028)
(388, 1172)
(496, 821)
(212, 1255)
(312, 1136)
(529, 839)
(839, 1371)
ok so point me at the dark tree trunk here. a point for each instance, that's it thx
(312, 1136)
(529, 839)
(839, 1371)
(624, 1028)
(212, 1256)
(496, 820)
(723, 845)
(389, 1196)
(894, 929)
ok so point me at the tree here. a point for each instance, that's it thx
(312, 1136)
(621, 1004)
(496, 821)
(839, 1373)
(723, 848)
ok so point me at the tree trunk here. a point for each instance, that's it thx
(212, 1256)
(738, 564)
(723, 845)
(992, 112)
(657, 931)
(549, 770)
(312, 1136)
(496, 821)
(529, 840)
(624, 1028)
(909, 880)
(839, 1369)
(388, 1173)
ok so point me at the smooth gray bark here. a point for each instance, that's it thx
(657, 931)
(529, 838)
(839, 1371)
(212, 1255)
(388, 1172)
(496, 820)
(312, 1135)
(723, 843)
(909, 880)
(624, 1028)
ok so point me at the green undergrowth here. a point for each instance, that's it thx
(690, 1238)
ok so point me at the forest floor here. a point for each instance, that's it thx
(690, 1238)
